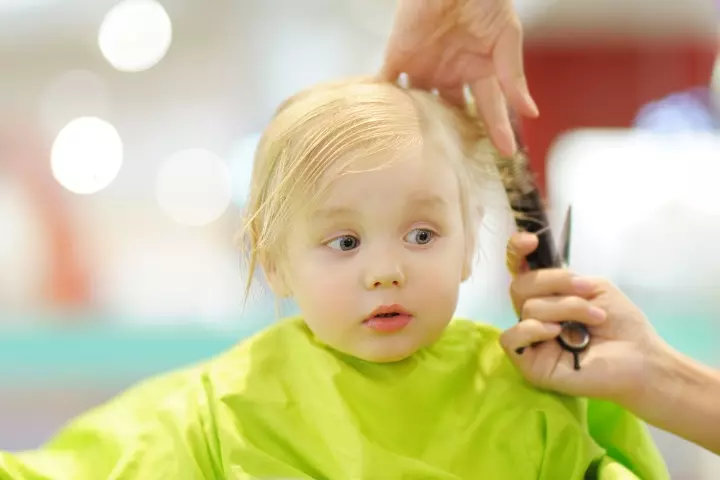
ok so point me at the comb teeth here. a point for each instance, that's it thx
(516, 177)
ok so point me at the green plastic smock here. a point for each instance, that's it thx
(281, 405)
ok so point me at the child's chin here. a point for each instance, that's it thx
(393, 359)
(387, 356)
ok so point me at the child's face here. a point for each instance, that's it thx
(389, 237)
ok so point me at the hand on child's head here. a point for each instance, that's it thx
(424, 43)
(622, 339)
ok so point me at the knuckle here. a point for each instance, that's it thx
(516, 288)
(513, 24)
(505, 339)
(576, 305)
(565, 280)
(554, 274)
(531, 326)
(564, 273)
(517, 30)
(530, 308)
(550, 280)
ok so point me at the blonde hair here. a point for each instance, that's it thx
(320, 129)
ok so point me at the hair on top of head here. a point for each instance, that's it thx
(313, 134)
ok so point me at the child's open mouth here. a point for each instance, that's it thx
(389, 319)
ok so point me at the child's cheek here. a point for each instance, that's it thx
(330, 290)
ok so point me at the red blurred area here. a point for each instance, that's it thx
(24, 155)
(604, 85)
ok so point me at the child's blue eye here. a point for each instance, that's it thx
(420, 236)
(344, 243)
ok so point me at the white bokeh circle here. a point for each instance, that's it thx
(135, 35)
(194, 187)
(86, 155)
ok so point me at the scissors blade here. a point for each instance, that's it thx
(565, 238)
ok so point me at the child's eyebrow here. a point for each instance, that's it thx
(333, 213)
(426, 202)
(414, 203)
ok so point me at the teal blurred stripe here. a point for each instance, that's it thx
(108, 354)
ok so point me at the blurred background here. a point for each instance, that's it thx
(127, 130)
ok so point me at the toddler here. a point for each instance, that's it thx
(364, 207)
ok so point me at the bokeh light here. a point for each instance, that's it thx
(636, 196)
(135, 35)
(194, 187)
(73, 94)
(87, 155)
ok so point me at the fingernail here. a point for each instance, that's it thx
(531, 103)
(597, 313)
(582, 285)
(403, 80)
(553, 328)
(525, 237)
(527, 97)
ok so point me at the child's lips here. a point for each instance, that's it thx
(391, 324)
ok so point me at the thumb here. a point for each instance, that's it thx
(519, 246)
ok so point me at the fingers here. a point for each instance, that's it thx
(508, 62)
(399, 60)
(403, 43)
(563, 309)
(490, 102)
(542, 318)
(528, 332)
(547, 283)
(538, 284)
(522, 244)
(544, 282)
(519, 246)
(396, 55)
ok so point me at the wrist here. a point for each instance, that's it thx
(658, 385)
(679, 395)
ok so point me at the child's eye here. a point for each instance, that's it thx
(344, 243)
(420, 236)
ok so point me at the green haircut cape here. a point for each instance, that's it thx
(283, 406)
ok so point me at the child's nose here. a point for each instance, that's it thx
(391, 276)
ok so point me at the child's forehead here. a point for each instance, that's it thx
(418, 161)
(389, 171)
(409, 180)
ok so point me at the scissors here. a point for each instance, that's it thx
(574, 337)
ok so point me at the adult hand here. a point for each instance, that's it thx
(623, 344)
(445, 44)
